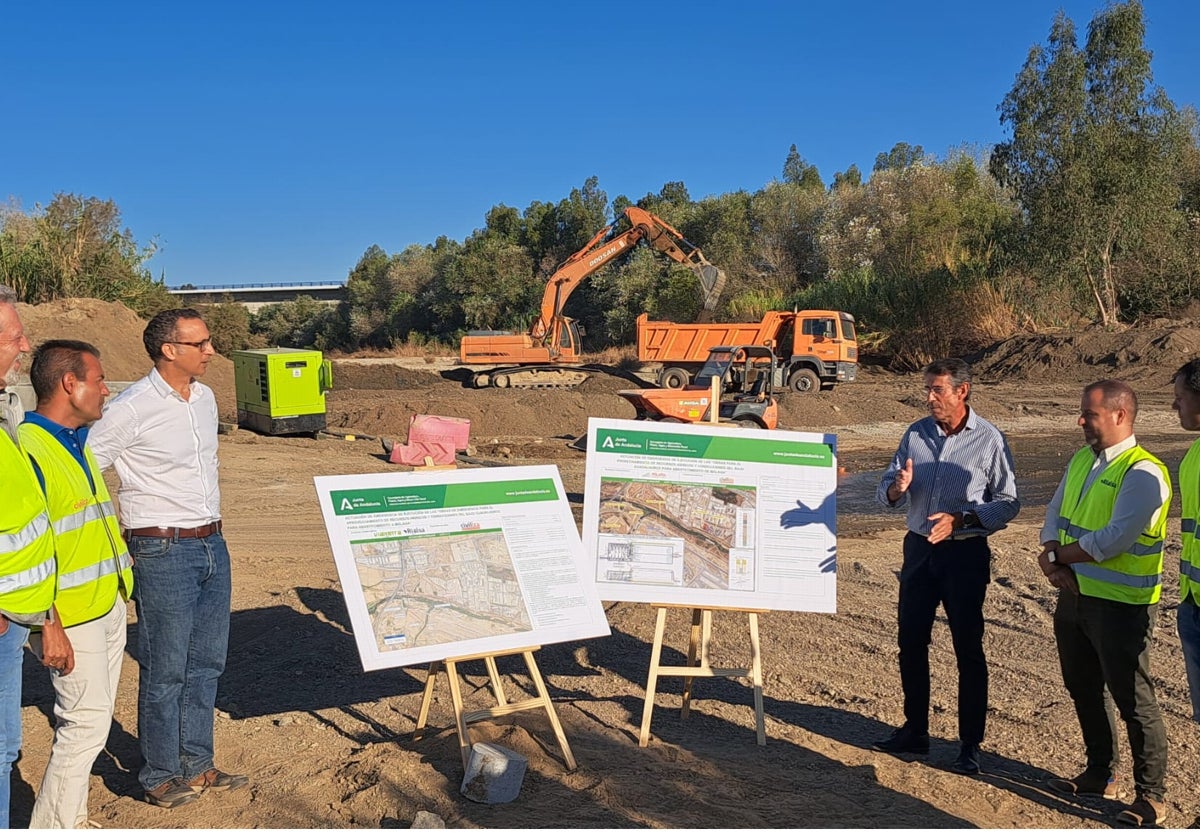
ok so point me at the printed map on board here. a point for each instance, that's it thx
(430, 590)
(696, 536)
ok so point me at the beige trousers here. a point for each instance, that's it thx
(83, 706)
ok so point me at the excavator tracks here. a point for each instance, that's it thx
(547, 376)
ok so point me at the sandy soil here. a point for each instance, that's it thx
(330, 746)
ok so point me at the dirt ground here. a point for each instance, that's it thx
(329, 746)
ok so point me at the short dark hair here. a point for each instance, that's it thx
(162, 330)
(53, 360)
(957, 369)
(1190, 373)
(1116, 394)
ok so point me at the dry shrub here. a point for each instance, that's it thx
(967, 321)
(428, 348)
(619, 357)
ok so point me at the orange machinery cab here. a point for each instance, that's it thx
(494, 347)
(747, 374)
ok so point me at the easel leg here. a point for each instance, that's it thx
(757, 676)
(550, 713)
(652, 678)
(693, 647)
(494, 676)
(464, 740)
(426, 700)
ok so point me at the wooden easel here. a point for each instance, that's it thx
(701, 633)
(429, 465)
(462, 719)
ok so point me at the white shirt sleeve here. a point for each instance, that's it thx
(1143, 492)
(112, 433)
(1050, 525)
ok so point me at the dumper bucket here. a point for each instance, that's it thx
(713, 281)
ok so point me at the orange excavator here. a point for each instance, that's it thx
(548, 355)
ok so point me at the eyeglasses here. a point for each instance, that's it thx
(199, 345)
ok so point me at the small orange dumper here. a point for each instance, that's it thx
(747, 376)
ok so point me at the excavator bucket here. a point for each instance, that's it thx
(713, 281)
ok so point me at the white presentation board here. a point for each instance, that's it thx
(711, 516)
(454, 563)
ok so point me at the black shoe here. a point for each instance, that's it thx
(967, 763)
(904, 740)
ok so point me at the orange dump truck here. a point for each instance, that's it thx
(817, 348)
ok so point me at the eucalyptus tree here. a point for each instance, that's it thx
(1095, 154)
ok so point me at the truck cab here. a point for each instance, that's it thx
(824, 350)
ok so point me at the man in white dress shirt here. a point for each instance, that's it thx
(161, 436)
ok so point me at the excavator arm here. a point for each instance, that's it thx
(601, 250)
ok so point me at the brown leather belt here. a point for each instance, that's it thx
(176, 533)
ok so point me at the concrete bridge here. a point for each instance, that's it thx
(255, 297)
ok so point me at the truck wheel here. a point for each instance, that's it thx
(747, 423)
(674, 378)
(804, 381)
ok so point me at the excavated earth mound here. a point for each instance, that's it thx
(116, 331)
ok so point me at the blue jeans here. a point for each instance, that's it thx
(12, 655)
(182, 592)
(1188, 617)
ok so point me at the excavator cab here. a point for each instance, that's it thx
(747, 374)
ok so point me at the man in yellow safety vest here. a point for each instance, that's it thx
(26, 546)
(1187, 404)
(1102, 547)
(84, 643)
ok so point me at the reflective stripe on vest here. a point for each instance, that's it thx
(94, 511)
(1189, 499)
(93, 562)
(28, 578)
(1134, 576)
(15, 542)
(27, 561)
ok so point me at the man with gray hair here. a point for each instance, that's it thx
(27, 564)
(955, 471)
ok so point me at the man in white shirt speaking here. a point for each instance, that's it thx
(161, 436)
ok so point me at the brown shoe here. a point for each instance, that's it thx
(1086, 784)
(215, 779)
(1144, 812)
(171, 794)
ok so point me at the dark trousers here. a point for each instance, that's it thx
(1105, 644)
(955, 574)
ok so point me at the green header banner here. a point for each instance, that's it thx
(440, 496)
(665, 444)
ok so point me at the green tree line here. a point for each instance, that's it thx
(1088, 211)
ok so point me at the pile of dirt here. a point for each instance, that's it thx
(116, 331)
(1152, 352)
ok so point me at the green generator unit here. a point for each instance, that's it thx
(281, 391)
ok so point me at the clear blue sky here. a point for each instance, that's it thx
(276, 142)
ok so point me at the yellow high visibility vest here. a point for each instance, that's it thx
(1189, 498)
(93, 562)
(26, 542)
(1134, 577)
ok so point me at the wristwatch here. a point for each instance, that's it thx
(1052, 557)
(970, 519)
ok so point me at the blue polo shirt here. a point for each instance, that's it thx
(73, 440)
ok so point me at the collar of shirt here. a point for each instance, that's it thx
(164, 389)
(72, 440)
(1107, 456)
(970, 424)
